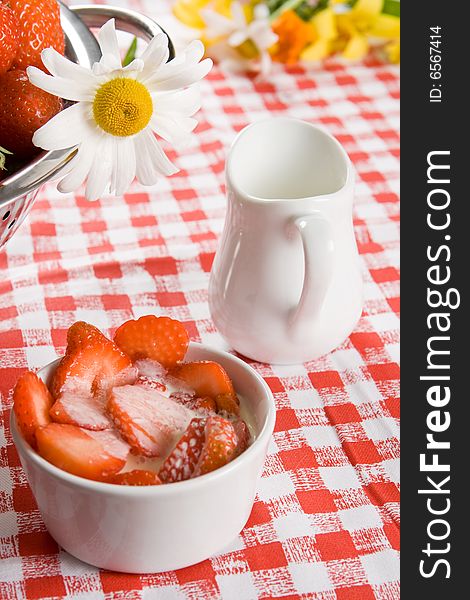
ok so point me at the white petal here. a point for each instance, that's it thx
(265, 63)
(124, 166)
(261, 11)
(184, 103)
(59, 86)
(155, 55)
(68, 128)
(182, 77)
(216, 24)
(263, 37)
(173, 130)
(108, 41)
(191, 55)
(238, 14)
(60, 66)
(151, 160)
(194, 51)
(100, 68)
(78, 168)
(107, 63)
(136, 65)
(100, 173)
(237, 38)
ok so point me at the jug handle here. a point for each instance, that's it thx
(316, 233)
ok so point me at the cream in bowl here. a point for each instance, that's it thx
(178, 517)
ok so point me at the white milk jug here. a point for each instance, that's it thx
(286, 284)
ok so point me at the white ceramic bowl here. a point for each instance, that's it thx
(155, 528)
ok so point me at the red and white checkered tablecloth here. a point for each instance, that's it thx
(325, 523)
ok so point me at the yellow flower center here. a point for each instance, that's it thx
(122, 106)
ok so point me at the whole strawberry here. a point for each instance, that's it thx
(39, 24)
(23, 109)
(9, 37)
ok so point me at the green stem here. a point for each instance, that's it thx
(289, 5)
(390, 7)
(130, 54)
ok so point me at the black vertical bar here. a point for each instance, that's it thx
(435, 118)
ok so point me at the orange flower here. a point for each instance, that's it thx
(294, 34)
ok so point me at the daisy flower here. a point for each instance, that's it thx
(237, 31)
(118, 110)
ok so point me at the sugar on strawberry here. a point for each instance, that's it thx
(206, 404)
(150, 422)
(182, 461)
(219, 445)
(93, 361)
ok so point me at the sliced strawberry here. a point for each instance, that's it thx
(228, 403)
(150, 422)
(219, 446)
(159, 338)
(136, 477)
(31, 404)
(243, 436)
(90, 454)
(151, 374)
(76, 407)
(182, 461)
(81, 334)
(208, 378)
(92, 360)
(206, 404)
(151, 383)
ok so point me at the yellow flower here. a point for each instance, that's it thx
(392, 50)
(365, 21)
(324, 26)
(350, 32)
(189, 11)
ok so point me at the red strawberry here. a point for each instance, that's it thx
(160, 338)
(148, 421)
(9, 37)
(219, 447)
(31, 404)
(92, 362)
(40, 28)
(182, 461)
(24, 108)
(90, 454)
(136, 477)
(208, 378)
(205, 404)
(243, 436)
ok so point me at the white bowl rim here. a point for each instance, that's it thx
(163, 489)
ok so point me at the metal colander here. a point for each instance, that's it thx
(18, 191)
